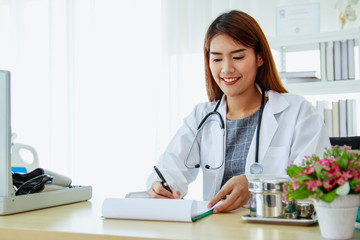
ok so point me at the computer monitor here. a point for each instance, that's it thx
(9, 202)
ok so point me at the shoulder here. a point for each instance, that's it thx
(201, 109)
(288, 100)
(198, 113)
(292, 106)
(289, 97)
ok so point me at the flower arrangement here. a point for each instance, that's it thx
(337, 173)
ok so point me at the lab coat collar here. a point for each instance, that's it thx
(277, 104)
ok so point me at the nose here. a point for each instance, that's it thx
(228, 66)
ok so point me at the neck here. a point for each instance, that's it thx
(244, 105)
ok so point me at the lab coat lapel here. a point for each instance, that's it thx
(269, 125)
(220, 171)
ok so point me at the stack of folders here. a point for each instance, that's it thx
(339, 117)
(337, 60)
(298, 77)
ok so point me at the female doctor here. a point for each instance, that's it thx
(250, 125)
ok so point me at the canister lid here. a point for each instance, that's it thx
(267, 185)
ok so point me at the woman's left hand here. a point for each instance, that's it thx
(237, 191)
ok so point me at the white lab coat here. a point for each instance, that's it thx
(290, 129)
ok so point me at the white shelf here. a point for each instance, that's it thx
(311, 41)
(328, 87)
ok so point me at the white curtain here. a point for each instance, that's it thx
(85, 79)
(100, 86)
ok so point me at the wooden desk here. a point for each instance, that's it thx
(83, 221)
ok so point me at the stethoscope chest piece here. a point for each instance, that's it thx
(256, 168)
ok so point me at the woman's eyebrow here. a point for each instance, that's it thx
(235, 51)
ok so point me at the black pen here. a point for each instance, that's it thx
(163, 181)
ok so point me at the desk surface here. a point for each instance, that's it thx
(83, 221)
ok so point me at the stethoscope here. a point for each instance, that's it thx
(256, 167)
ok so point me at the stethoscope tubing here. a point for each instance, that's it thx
(205, 120)
(259, 125)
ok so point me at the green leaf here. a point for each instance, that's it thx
(343, 162)
(353, 182)
(301, 194)
(328, 197)
(318, 169)
(293, 170)
(304, 177)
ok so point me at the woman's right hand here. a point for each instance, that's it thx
(157, 190)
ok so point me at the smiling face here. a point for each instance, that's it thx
(233, 66)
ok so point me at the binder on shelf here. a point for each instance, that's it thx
(323, 60)
(351, 58)
(354, 127)
(344, 60)
(330, 61)
(335, 119)
(349, 117)
(321, 106)
(328, 121)
(337, 60)
(342, 118)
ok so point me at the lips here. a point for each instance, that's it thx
(230, 81)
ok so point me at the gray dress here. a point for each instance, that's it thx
(239, 134)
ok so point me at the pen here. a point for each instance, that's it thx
(163, 181)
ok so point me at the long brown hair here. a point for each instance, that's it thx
(245, 30)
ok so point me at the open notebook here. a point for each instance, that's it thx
(178, 210)
(9, 203)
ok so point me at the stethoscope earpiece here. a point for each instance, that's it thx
(207, 166)
(197, 165)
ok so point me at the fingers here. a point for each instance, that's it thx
(176, 193)
(157, 190)
(237, 192)
(232, 203)
(220, 195)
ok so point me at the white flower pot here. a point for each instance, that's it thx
(337, 219)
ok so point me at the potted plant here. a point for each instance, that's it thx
(333, 183)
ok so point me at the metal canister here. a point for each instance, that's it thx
(266, 197)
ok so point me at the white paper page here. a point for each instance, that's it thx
(148, 209)
(200, 207)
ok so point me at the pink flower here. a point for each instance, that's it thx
(325, 163)
(341, 181)
(357, 164)
(294, 186)
(335, 171)
(346, 175)
(291, 162)
(309, 170)
(312, 184)
(345, 148)
(328, 185)
(322, 175)
(316, 196)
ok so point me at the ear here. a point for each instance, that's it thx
(259, 60)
